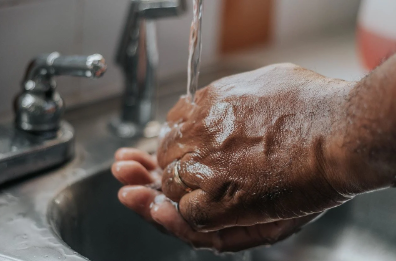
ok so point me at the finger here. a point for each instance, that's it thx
(166, 214)
(176, 136)
(139, 199)
(171, 145)
(125, 154)
(230, 239)
(191, 175)
(176, 143)
(204, 215)
(240, 238)
(172, 189)
(132, 173)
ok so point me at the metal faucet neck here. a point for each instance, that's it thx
(137, 55)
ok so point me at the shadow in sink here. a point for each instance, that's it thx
(89, 218)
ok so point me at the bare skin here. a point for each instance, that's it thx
(265, 152)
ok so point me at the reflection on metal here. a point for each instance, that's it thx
(39, 107)
(137, 55)
(39, 139)
(23, 153)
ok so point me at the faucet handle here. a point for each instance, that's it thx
(40, 73)
(92, 66)
(162, 8)
(39, 108)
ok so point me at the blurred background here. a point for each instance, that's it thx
(320, 35)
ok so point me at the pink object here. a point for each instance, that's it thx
(376, 31)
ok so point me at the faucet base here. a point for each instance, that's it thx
(124, 129)
(130, 130)
(23, 153)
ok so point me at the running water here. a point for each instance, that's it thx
(194, 59)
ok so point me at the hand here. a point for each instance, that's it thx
(264, 146)
(141, 175)
(260, 154)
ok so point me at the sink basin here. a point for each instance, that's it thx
(88, 217)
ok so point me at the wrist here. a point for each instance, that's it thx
(364, 146)
(356, 172)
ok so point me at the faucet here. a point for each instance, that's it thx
(39, 107)
(137, 55)
(39, 139)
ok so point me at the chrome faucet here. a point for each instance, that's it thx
(39, 139)
(39, 107)
(137, 55)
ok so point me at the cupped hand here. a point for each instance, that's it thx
(141, 175)
(257, 155)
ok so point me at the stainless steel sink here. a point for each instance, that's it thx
(89, 218)
(72, 212)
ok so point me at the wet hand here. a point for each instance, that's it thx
(255, 148)
(278, 143)
(260, 154)
(141, 176)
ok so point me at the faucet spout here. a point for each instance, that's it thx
(137, 55)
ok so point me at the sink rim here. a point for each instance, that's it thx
(29, 200)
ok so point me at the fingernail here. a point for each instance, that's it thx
(157, 202)
(155, 207)
(160, 199)
(118, 166)
(125, 191)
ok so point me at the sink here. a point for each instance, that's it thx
(88, 217)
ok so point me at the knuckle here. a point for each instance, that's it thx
(196, 216)
(225, 191)
(199, 221)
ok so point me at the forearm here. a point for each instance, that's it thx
(369, 133)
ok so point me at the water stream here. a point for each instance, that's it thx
(195, 49)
